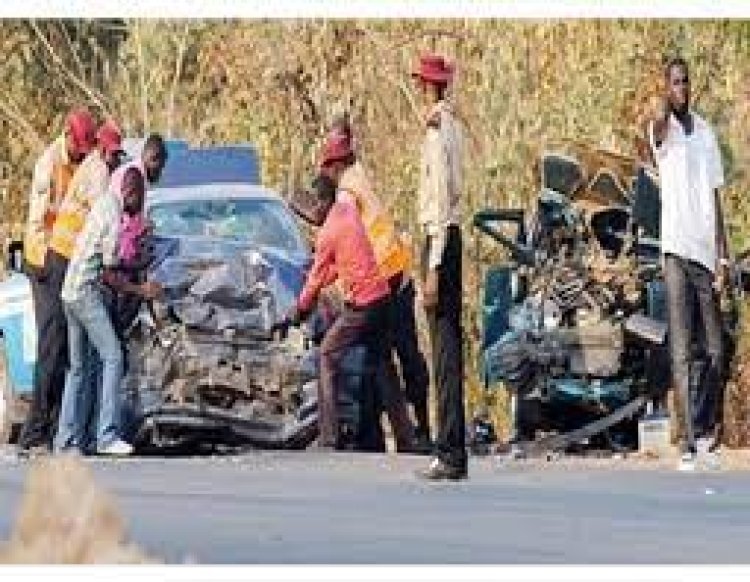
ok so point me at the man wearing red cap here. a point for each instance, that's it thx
(439, 217)
(343, 253)
(394, 262)
(89, 182)
(53, 173)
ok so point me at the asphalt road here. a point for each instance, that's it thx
(296, 508)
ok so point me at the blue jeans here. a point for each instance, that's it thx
(91, 333)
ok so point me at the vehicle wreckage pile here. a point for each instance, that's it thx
(205, 359)
(575, 321)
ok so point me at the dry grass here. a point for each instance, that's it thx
(516, 90)
(65, 518)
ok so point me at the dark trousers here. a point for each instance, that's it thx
(389, 396)
(51, 354)
(691, 300)
(354, 326)
(446, 336)
(406, 344)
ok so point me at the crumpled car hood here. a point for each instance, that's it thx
(220, 285)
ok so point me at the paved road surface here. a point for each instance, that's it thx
(305, 507)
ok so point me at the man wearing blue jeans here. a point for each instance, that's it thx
(90, 326)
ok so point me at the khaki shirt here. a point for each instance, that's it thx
(441, 181)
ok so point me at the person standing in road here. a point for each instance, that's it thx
(439, 217)
(90, 326)
(394, 262)
(53, 173)
(343, 253)
(694, 249)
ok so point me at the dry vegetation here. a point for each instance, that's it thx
(276, 84)
(65, 518)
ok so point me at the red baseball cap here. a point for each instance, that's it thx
(434, 69)
(109, 137)
(81, 128)
(338, 146)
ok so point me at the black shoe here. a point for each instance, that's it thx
(439, 471)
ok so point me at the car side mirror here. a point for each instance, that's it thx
(15, 256)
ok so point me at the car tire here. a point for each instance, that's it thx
(7, 399)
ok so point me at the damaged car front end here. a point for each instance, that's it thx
(574, 316)
(204, 362)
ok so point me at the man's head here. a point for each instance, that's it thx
(433, 74)
(133, 191)
(678, 85)
(80, 134)
(342, 124)
(109, 143)
(337, 155)
(154, 157)
(324, 190)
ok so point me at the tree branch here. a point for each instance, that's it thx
(12, 114)
(175, 80)
(73, 50)
(97, 98)
(142, 78)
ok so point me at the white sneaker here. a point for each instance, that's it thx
(117, 448)
(687, 462)
(709, 456)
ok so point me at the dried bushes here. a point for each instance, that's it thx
(65, 518)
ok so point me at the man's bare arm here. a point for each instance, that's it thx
(147, 290)
(661, 124)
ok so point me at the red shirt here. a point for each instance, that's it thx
(343, 251)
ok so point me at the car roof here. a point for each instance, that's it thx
(186, 165)
(195, 192)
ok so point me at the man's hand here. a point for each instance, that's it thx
(292, 318)
(430, 289)
(660, 116)
(112, 279)
(151, 290)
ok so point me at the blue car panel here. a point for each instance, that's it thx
(18, 328)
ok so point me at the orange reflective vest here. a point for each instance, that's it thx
(392, 255)
(52, 175)
(90, 180)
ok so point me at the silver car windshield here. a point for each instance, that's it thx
(265, 223)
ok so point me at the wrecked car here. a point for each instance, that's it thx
(204, 364)
(574, 316)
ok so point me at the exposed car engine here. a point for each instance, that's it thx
(574, 319)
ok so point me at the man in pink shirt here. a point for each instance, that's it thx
(343, 253)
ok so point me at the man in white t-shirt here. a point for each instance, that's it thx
(694, 249)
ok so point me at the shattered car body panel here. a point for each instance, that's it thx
(204, 364)
(575, 319)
